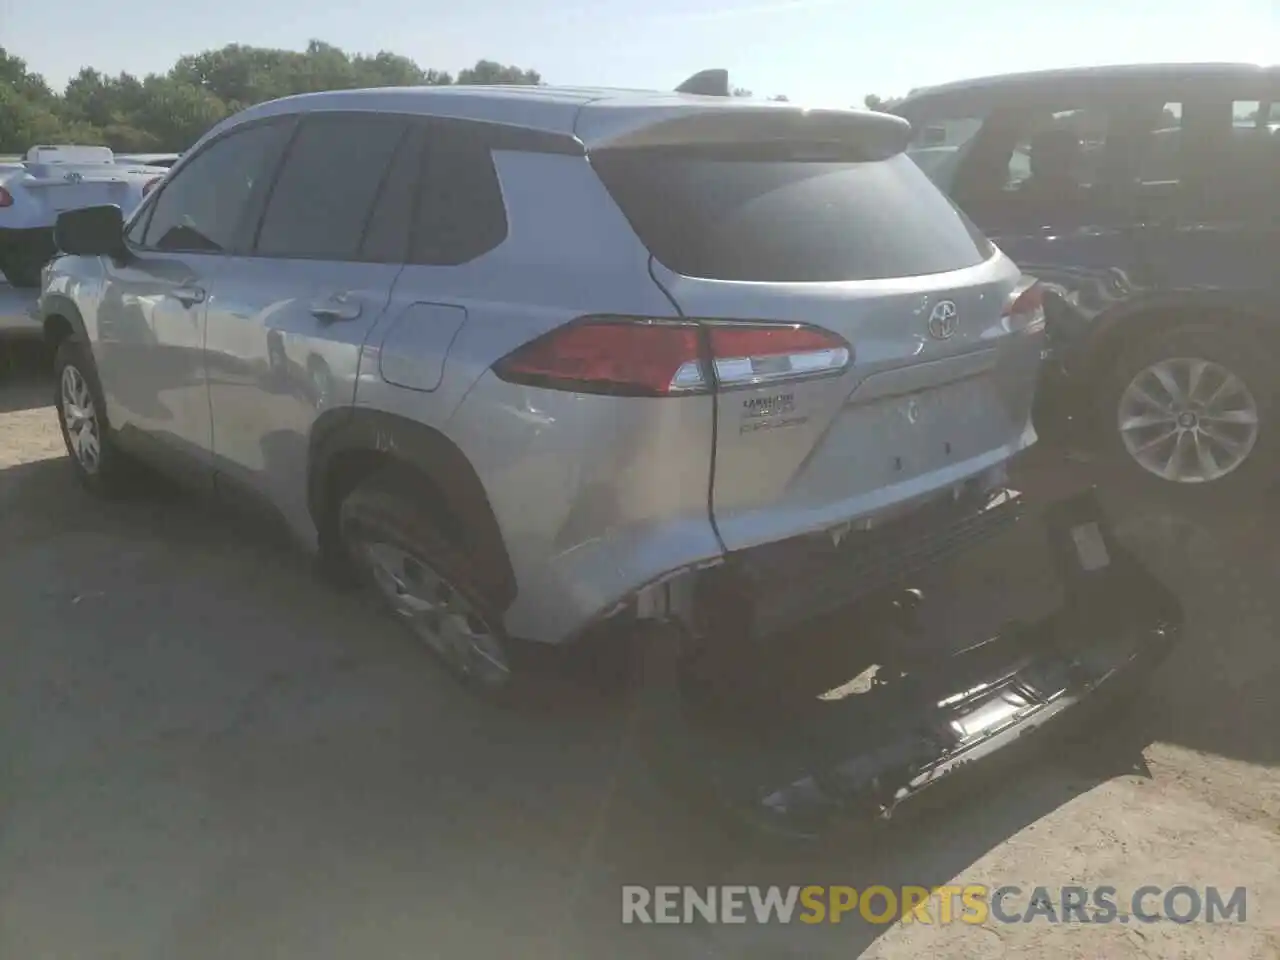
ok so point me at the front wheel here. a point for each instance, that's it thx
(99, 465)
(1191, 411)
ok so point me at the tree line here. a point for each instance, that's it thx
(169, 111)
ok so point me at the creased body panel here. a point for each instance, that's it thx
(596, 496)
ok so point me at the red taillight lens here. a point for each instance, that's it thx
(659, 358)
(748, 353)
(6, 198)
(150, 185)
(1025, 308)
(623, 357)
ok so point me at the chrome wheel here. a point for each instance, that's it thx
(1188, 420)
(438, 613)
(80, 418)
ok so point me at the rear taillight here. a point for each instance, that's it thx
(1025, 307)
(6, 198)
(150, 185)
(624, 357)
(659, 358)
(750, 353)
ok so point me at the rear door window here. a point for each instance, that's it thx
(322, 201)
(795, 221)
(460, 211)
(1049, 163)
(1231, 160)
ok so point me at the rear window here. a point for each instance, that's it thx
(790, 221)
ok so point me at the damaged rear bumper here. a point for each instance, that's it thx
(931, 675)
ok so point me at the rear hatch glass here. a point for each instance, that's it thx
(788, 220)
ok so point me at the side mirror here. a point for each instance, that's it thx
(91, 232)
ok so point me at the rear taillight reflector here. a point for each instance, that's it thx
(611, 355)
(6, 198)
(1025, 307)
(750, 353)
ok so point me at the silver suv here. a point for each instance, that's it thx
(537, 359)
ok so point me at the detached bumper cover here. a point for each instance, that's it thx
(792, 748)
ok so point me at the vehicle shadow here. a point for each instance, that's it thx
(1216, 692)
(282, 771)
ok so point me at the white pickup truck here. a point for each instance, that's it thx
(51, 179)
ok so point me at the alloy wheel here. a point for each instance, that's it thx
(80, 417)
(1188, 420)
(438, 613)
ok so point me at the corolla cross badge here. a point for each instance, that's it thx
(943, 320)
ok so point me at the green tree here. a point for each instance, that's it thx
(486, 71)
(170, 111)
(15, 76)
(176, 113)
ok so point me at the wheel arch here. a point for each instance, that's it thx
(61, 319)
(348, 445)
(1140, 318)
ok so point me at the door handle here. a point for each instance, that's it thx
(335, 308)
(189, 296)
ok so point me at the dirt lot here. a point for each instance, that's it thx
(205, 754)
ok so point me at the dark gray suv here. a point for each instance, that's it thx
(1148, 200)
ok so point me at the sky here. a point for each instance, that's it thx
(823, 52)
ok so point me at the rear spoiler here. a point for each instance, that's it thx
(707, 83)
(763, 131)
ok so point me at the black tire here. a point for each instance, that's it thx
(388, 509)
(24, 253)
(1233, 349)
(114, 473)
(20, 270)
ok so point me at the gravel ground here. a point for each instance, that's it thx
(205, 754)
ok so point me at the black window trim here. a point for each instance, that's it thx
(141, 216)
(496, 136)
(406, 142)
(493, 138)
(237, 248)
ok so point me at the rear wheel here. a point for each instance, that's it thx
(428, 584)
(1191, 412)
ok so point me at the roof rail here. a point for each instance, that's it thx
(707, 83)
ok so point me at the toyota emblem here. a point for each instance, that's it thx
(943, 320)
